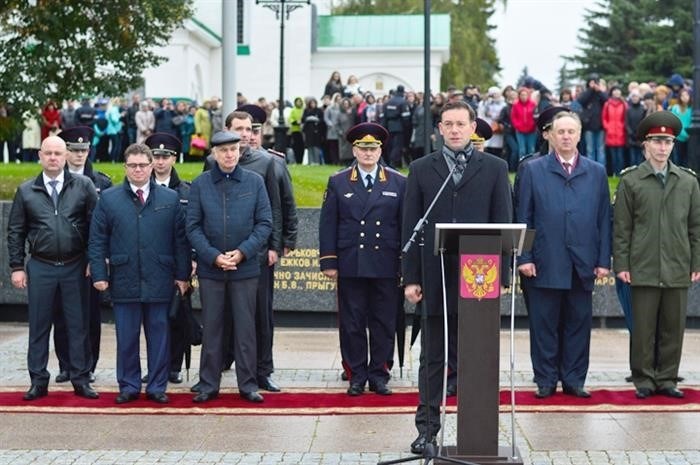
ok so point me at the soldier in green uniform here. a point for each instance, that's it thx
(656, 250)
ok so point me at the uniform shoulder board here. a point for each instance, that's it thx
(689, 171)
(276, 153)
(629, 169)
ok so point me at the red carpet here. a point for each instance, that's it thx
(336, 402)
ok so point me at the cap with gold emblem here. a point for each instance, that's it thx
(483, 131)
(77, 138)
(162, 143)
(367, 135)
(659, 124)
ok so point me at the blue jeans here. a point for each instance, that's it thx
(513, 156)
(595, 144)
(526, 142)
(618, 159)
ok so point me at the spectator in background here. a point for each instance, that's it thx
(31, 136)
(186, 131)
(472, 96)
(114, 129)
(215, 114)
(490, 110)
(145, 122)
(504, 120)
(649, 106)
(131, 111)
(684, 111)
(10, 134)
(352, 87)
(613, 118)
(202, 130)
(417, 143)
(297, 138)
(592, 100)
(566, 100)
(370, 112)
(660, 95)
(330, 116)
(346, 120)
(85, 114)
(634, 115)
(68, 115)
(164, 115)
(313, 128)
(676, 84)
(522, 116)
(50, 120)
(334, 84)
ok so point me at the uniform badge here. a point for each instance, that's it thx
(390, 194)
(161, 146)
(348, 195)
(80, 139)
(479, 277)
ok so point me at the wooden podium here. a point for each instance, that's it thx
(480, 248)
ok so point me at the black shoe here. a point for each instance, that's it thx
(451, 390)
(629, 379)
(344, 375)
(175, 377)
(36, 392)
(144, 378)
(86, 391)
(196, 387)
(356, 389)
(92, 377)
(380, 388)
(643, 393)
(418, 446)
(577, 391)
(125, 397)
(680, 379)
(205, 397)
(62, 377)
(252, 396)
(545, 391)
(159, 397)
(671, 392)
(267, 384)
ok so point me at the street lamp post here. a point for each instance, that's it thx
(282, 9)
(694, 129)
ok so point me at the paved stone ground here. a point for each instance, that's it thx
(309, 358)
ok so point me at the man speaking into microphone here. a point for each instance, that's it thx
(479, 192)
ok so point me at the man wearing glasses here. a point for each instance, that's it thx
(656, 250)
(139, 251)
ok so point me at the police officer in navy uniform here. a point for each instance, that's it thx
(397, 120)
(360, 236)
(77, 141)
(166, 149)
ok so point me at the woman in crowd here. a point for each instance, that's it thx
(684, 111)
(613, 118)
(334, 84)
(330, 116)
(522, 117)
(145, 122)
(346, 120)
(50, 120)
(313, 128)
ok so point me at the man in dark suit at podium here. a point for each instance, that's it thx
(479, 192)
(565, 197)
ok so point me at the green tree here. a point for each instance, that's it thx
(67, 49)
(473, 56)
(629, 40)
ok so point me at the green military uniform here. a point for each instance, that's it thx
(657, 240)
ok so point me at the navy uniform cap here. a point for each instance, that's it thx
(659, 124)
(544, 121)
(257, 113)
(77, 138)
(483, 131)
(161, 143)
(225, 137)
(367, 135)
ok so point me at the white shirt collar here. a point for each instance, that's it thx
(60, 178)
(363, 173)
(146, 189)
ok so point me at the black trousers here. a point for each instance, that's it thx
(60, 334)
(46, 284)
(264, 323)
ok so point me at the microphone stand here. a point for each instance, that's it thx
(431, 452)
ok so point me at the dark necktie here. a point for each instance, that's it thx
(369, 182)
(567, 167)
(662, 179)
(139, 193)
(54, 192)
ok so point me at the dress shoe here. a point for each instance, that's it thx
(196, 387)
(125, 397)
(62, 377)
(36, 392)
(252, 396)
(205, 397)
(160, 397)
(175, 377)
(451, 390)
(418, 446)
(576, 391)
(86, 391)
(356, 389)
(643, 393)
(629, 379)
(545, 391)
(680, 379)
(380, 388)
(344, 375)
(671, 392)
(92, 377)
(268, 384)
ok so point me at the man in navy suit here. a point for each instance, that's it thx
(479, 192)
(360, 237)
(563, 196)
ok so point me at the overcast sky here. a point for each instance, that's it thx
(536, 33)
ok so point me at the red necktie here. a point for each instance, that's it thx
(139, 193)
(567, 167)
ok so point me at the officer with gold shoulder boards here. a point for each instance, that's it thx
(656, 249)
(360, 247)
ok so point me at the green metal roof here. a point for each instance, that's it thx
(382, 31)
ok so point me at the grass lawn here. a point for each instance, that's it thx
(309, 181)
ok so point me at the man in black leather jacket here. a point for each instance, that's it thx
(52, 212)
